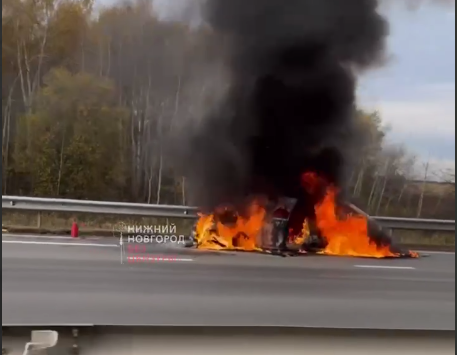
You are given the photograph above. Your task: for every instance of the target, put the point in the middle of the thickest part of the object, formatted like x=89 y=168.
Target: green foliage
x=75 y=148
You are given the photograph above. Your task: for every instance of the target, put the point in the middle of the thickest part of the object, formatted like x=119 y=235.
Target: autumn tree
x=73 y=144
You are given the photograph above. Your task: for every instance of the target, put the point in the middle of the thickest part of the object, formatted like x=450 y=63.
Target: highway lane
x=59 y=282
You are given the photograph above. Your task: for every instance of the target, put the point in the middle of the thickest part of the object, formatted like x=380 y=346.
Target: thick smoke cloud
x=291 y=103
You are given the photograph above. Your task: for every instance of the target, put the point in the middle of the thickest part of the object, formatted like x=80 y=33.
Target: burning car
x=273 y=236
x=286 y=226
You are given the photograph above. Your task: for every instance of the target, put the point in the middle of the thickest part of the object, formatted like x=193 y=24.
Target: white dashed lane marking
x=155 y=259
x=385 y=267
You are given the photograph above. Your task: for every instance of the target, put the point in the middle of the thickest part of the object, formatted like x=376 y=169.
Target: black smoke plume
x=291 y=103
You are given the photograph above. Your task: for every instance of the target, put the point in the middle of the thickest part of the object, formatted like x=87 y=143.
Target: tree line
x=89 y=95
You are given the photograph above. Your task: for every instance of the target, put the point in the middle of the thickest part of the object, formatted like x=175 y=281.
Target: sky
x=415 y=91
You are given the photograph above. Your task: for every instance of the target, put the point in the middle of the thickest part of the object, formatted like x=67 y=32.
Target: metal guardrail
x=134 y=209
x=100 y=207
x=416 y=224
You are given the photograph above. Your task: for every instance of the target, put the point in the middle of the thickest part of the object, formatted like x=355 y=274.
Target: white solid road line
x=158 y=258
x=12 y=236
x=60 y=243
x=385 y=267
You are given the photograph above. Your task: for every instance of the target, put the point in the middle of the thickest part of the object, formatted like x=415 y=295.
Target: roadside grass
x=88 y=223
x=425 y=239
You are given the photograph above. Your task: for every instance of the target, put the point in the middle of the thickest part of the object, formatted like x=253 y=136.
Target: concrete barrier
x=131 y=340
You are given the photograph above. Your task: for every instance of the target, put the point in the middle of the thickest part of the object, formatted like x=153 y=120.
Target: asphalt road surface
x=60 y=281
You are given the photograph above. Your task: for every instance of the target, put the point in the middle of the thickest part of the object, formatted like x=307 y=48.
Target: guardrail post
x=75 y=347
x=39 y=220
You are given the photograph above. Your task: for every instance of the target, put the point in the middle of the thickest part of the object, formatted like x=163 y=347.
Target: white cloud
x=422 y=119
x=438 y=170
x=179 y=10
x=425 y=111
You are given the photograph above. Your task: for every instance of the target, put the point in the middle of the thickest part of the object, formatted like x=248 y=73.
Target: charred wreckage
x=282 y=230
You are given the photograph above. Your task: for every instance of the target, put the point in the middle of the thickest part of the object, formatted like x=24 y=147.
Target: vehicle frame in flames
x=276 y=230
x=275 y=236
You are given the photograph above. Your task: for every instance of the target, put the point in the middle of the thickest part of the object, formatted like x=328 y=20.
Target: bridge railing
x=169 y=211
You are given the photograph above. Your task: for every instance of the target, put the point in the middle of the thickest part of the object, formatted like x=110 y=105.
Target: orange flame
x=298 y=240
x=347 y=236
x=240 y=235
x=344 y=236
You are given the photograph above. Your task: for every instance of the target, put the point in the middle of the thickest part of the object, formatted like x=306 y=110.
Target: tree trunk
x=424 y=184
x=159 y=182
